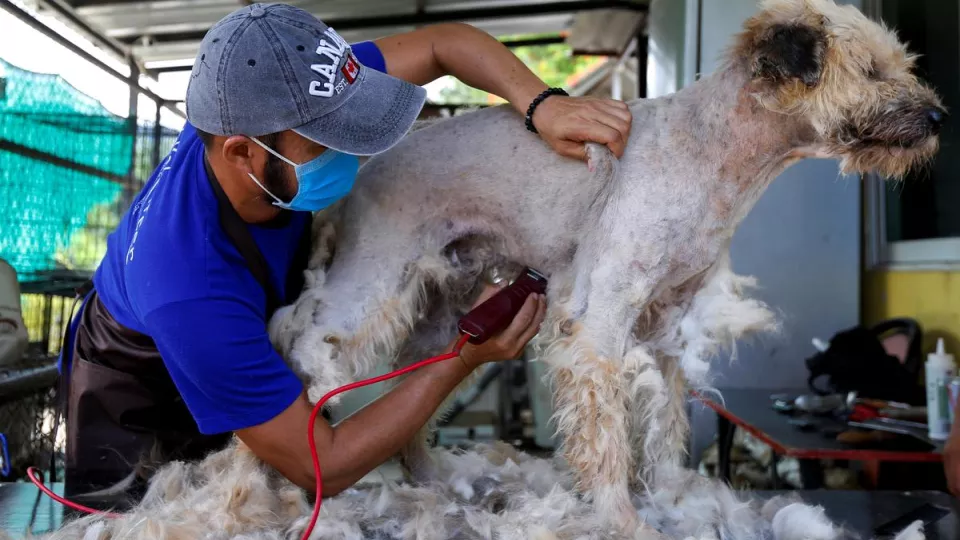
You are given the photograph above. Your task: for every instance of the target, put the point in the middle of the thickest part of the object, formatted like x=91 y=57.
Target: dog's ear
x=792 y=51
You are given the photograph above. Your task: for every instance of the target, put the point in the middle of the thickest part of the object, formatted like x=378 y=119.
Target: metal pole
x=157 y=133
x=616 y=82
x=643 y=51
x=46 y=157
x=12 y=8
x=129 y=189
x=616 y=73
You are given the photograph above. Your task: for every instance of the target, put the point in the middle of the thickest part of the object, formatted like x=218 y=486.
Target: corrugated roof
x=168 y=31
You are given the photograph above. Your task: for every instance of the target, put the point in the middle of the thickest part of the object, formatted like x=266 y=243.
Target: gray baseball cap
x=267 y=68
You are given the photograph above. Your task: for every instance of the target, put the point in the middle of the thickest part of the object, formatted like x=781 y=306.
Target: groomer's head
x=274 y=77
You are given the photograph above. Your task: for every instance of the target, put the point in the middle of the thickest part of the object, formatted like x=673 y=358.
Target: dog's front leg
x=591 y=393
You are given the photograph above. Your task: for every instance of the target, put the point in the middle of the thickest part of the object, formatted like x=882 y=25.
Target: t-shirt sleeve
x=369 y=55
x=220 y=357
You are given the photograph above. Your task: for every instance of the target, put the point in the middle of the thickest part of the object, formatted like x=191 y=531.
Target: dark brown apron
x=124 y=415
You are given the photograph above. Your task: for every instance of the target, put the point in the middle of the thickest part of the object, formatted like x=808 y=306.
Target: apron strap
x=301 y=259
x=237 y=230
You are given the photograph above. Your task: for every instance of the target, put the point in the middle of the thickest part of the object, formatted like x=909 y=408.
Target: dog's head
x=846 y=77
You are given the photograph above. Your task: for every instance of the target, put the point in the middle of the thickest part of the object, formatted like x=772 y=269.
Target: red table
x=752 y=410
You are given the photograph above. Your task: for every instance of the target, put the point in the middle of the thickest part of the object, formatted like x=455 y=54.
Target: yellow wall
x=932 y=298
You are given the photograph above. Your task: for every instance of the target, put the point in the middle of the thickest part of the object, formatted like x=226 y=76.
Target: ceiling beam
x=87 y=3
x=510 y=43
x=433 y=17
x=65 y=12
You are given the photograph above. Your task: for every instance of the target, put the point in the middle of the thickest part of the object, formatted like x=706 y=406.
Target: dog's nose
x=936 y=117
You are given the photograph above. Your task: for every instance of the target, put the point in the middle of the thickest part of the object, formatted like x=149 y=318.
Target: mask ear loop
x=272 y=151
x=254 y=178
x=275 y=198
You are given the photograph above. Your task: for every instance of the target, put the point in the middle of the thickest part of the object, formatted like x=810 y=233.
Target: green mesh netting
x=44 y=205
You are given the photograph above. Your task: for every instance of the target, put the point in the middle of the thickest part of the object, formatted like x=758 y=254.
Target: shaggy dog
x=641 y=292
x=641 y=295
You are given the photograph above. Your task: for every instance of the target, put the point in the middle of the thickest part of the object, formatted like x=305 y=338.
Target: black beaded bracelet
x=539 y=99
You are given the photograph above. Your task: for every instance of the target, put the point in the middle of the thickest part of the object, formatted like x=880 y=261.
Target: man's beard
x=276 y=181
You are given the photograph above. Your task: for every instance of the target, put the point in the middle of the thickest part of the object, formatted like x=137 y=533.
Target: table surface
x=753 y=411
x=859 y=511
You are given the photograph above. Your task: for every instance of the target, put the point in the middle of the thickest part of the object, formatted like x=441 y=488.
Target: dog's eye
x=874 y=73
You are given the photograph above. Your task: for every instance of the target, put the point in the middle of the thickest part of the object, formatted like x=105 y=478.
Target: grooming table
x=752 y=410
x=861 y=511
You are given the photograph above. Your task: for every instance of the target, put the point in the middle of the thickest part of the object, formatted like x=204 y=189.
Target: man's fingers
x=535 y=324
x=618 y=109
x=621 y=126
x=571 y=149
x=597 y=132
x=522 y=320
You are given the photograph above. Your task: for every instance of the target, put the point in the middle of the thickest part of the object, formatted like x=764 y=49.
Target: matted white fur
x=495 y=492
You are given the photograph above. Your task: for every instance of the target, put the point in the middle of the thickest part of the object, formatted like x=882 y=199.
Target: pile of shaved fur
x=490 y=491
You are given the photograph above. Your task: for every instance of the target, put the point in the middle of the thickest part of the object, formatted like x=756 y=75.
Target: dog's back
x=481 y=170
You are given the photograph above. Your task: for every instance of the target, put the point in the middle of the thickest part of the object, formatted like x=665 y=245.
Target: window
x=916 y=223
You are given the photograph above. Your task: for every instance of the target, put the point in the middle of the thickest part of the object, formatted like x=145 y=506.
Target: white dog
x=641 y=292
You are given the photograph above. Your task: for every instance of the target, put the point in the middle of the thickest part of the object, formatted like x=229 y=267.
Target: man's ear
x=242 y=153
x=785 y=52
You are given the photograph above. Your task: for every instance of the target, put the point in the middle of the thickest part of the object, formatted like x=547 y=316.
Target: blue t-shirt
x=172 y=273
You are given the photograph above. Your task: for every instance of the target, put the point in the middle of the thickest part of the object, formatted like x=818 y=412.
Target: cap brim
x=378 y=114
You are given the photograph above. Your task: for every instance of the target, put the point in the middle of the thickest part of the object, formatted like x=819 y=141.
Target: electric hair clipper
x=492 y=316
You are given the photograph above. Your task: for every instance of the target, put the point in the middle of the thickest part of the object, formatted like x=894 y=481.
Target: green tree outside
x=555 y=64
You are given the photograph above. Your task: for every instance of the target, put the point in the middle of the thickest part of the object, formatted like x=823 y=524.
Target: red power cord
x=316 y=409
x=31 y=473
x=310 y=440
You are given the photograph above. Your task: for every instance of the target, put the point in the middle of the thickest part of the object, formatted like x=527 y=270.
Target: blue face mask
x=321 y=181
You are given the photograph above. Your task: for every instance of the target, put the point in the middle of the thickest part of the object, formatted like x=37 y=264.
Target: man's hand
x=951 y=461
x=509 y=343
x=367 y=438
x=566 y=123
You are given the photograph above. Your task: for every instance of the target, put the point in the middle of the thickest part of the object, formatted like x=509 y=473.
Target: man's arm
x=479 y=60
x=951 y=455
x=365 y=440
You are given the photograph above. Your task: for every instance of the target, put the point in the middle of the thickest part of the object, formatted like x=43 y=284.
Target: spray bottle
x=940 y=369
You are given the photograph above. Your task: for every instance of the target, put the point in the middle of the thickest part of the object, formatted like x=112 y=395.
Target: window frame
x=907 y=255
x=881 y=253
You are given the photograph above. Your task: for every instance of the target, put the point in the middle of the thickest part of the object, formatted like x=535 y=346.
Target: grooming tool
x=865 y=437
x=910 y=413
x=824 y=404
x=783 y=406
x=492 y=316
x=940 y=370
x=908 y=430
x=882 y=403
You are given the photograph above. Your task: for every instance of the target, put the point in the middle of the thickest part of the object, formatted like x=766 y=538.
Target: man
x=171 y=350
x=951 y=455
